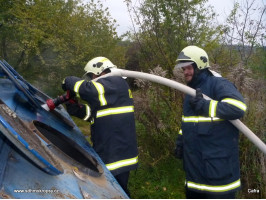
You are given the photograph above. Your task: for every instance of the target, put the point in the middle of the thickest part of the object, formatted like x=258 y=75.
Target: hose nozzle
x=53 y=103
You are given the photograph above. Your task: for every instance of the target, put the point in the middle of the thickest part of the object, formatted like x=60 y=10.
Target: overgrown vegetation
x=165 y=180
x=47 y=40
x=236 y=50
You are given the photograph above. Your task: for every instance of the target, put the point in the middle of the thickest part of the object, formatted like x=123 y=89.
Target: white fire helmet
x=97 y=66
x=193 y=54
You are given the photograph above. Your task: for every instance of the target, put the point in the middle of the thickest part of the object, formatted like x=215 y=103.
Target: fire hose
x=189 y=91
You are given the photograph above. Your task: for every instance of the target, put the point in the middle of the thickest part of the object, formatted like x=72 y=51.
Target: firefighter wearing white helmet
x=207 y=141
x=110 y=111
x=198 y=59
x=193 y=54
x=97 y=66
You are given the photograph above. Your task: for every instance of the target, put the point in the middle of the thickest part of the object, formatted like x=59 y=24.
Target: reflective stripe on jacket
x=113 y=131
x=210 y=141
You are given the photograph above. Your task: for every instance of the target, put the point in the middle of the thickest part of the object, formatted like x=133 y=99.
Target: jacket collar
x=198 y=79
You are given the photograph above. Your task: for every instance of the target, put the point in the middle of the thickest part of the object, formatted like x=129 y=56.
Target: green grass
x=165 y=180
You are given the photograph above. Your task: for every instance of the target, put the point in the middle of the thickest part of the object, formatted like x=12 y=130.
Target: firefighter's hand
x=75 y=109
x=197 y=102
x=70 y=95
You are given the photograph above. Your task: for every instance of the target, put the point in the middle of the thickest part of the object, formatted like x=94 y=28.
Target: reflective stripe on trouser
x=212 y=188
x=122 y=163
x=114 y=111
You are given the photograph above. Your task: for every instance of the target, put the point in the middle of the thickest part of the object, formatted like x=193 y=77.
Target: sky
x=118 y=11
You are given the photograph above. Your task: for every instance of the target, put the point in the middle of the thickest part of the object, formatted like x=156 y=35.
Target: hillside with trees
x=47 y=40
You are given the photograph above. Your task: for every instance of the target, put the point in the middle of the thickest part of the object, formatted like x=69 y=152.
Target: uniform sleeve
x=227 y=102
x=90 y=91
x=81 y=111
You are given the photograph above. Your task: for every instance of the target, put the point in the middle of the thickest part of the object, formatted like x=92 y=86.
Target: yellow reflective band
x=130 y=93
x=197 y=119
x=102 y=60
x=88 y=113
x=212 y=108
x=114 y=111
x=77 y=86
x=210 y=188
x=180 y=132
x=122 y=163
x=92 y=121
x=101 y=92
x=236 y=103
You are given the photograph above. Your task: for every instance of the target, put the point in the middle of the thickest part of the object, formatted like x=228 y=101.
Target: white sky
x=118 y=11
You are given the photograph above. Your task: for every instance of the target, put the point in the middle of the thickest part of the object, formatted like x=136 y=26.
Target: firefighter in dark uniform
x=110 y=111
x=207 y=141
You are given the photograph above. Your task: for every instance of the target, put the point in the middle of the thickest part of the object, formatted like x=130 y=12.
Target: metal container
x=44 y=154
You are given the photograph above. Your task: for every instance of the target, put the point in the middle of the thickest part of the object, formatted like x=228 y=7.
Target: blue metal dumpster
x=44 y=154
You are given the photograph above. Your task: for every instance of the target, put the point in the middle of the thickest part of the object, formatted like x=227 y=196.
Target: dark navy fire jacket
x=209 y=140
x=111 y=113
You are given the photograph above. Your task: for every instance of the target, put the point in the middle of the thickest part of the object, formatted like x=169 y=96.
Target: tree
x=46 y=40
x=161 y=30
x=245 y=30
x=166 y=27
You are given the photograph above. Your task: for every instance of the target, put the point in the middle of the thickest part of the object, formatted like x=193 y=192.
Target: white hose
x=187 y=90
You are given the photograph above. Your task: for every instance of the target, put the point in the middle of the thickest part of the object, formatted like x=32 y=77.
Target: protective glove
x=75 y=109
x=197 y=102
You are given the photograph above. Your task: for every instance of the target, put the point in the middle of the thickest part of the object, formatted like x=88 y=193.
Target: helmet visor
x=183 y=64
